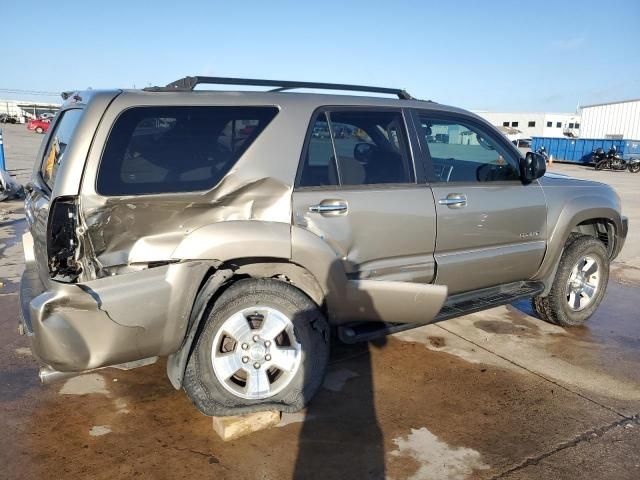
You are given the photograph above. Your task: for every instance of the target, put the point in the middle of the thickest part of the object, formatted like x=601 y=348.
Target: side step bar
x=456 y=306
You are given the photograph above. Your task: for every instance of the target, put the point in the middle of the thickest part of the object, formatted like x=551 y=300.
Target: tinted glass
x=549 y=124
x=58 y=142
x=371 y=148
x=462 y=153
x=177 y=149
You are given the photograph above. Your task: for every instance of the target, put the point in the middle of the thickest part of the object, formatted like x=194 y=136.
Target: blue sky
x=490 y=55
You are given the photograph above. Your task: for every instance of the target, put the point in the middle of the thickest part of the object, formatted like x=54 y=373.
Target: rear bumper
x=108 y=321
x=68 y=331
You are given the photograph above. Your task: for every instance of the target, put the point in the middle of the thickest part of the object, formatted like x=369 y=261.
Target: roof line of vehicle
x=188 y=84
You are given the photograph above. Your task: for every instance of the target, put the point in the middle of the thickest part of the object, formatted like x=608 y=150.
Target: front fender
x=563 y=217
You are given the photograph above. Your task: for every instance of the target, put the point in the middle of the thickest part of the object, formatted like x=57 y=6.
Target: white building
x=531 y=124
x=25 y=110
x=616 y=120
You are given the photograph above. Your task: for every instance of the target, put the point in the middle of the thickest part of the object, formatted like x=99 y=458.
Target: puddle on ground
x=616 y=322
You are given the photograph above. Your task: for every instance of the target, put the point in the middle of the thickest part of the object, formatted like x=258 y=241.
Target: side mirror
x=532 y=167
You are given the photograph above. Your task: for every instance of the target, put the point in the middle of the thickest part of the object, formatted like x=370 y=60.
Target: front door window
x=462 y=153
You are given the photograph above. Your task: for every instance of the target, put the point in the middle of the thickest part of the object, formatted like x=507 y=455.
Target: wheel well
x=601 y=228
x=276 y=268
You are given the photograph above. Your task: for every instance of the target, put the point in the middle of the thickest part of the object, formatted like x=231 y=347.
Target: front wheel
x=264 y=346
x=602 y=164
x=39 y=130
x=579 y=285
x=634 y=167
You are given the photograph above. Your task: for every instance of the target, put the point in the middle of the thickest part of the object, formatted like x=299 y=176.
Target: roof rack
x=187 y=84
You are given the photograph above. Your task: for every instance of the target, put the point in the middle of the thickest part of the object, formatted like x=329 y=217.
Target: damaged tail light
x=62 y=242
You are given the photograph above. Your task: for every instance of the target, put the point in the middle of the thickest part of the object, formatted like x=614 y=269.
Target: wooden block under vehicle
x=230 y=428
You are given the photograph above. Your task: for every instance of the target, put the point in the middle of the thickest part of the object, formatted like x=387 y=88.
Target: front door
x=357 y=191
x=491 y=228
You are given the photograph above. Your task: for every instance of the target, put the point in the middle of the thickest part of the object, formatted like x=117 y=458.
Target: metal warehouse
x=614 y=121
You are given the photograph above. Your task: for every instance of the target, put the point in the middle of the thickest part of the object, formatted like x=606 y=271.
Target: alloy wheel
x=255 y=353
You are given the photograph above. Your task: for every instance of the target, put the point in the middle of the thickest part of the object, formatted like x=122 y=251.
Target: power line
x=29 y=92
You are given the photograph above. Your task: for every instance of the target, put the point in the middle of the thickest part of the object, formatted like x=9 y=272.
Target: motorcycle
x=614 y=161
x=543 y=151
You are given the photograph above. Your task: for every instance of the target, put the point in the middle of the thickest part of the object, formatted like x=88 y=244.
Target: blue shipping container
x=578 y=150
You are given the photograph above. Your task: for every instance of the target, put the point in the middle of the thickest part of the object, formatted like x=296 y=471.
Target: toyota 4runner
x=233 y=231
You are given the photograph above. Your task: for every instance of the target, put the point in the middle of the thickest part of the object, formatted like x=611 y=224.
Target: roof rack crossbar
x=187 y=84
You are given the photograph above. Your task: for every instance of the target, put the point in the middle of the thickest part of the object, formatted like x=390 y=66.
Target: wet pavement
x=496 y=394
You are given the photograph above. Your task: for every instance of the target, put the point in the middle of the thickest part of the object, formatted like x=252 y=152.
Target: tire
x=555 y=307
x=267 y=301
x=634 y=167
x=39 y=130
x=602 y=164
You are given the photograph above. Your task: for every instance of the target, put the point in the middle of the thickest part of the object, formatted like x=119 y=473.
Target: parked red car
x=40 y=126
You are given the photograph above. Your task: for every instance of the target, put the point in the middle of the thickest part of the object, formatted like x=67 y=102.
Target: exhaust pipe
x=48 y=375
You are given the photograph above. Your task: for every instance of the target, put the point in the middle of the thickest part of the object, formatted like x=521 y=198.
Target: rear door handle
x=454 y=200
x=329 y=207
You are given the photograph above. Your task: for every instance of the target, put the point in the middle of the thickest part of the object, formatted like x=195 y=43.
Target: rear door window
x=359 y=147
x=177 y=149
x=58 y=142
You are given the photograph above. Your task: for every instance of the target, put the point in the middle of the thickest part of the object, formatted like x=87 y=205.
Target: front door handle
x=329 y=207
x=454 y=200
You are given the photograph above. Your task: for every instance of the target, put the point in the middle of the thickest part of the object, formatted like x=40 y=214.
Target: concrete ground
x=497 y=394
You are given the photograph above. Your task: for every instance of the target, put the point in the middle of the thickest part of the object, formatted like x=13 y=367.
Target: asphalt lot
x=497 y=394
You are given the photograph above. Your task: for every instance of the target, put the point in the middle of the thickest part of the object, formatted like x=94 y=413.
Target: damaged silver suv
x=234 y=232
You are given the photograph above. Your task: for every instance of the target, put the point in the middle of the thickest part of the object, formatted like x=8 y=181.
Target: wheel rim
x=255 y=353
x=583 y=283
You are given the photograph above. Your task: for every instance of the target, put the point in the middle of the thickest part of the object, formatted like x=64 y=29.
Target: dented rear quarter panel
x=143 y=228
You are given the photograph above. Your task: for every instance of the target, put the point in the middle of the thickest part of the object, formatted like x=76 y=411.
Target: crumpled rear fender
x=236 y=239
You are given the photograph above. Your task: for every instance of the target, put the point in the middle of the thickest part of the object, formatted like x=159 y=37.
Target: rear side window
x=177 y=149
x=58 y=142
x=351 y=148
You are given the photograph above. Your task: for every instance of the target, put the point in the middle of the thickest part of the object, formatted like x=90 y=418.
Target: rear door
x=357 y=190
x=491 y=227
